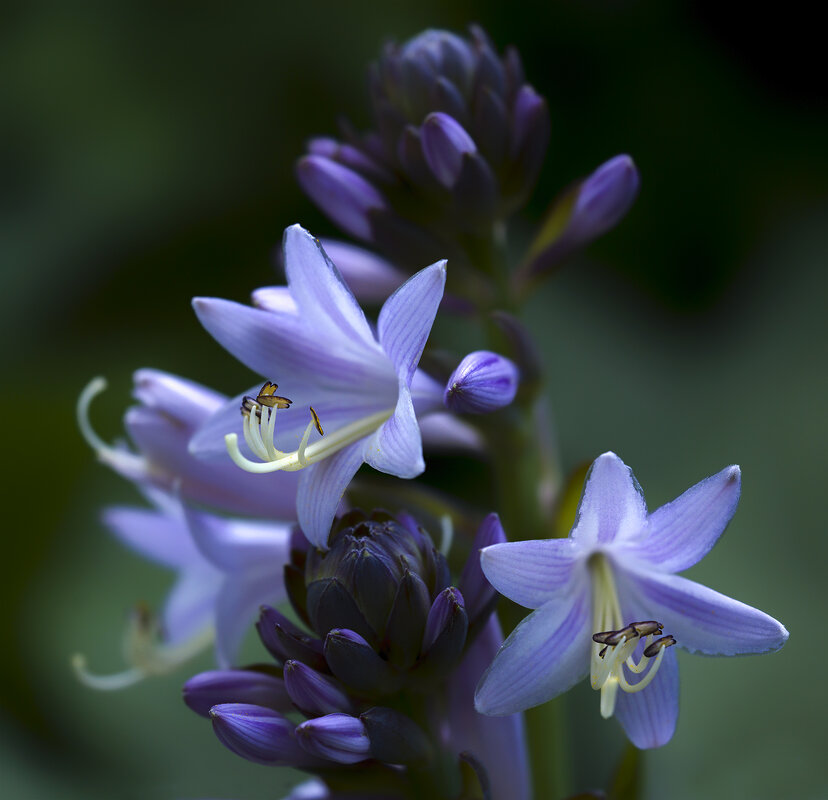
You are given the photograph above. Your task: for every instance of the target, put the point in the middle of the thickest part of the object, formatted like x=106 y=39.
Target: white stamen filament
x=259 y=428
x=607 y=673
x=146 y=656
x=119 y=459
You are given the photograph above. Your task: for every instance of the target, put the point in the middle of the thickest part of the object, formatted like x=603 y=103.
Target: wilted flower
x=604 y=594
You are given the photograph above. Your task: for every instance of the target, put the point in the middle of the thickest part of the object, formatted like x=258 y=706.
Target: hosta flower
x=169 y=411
x=362 y=389
x=226 y=568
x=608 y=602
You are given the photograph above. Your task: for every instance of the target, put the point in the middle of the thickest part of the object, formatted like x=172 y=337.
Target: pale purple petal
x=534 y=572
x=701 y=619
x=284 y=348
x=444 y=432
x=275 y=298
x=179 y=398
x=396 y=448
x=544 y=656
x=498 y=742
x=370 y=277
x=426 y=394
x=239 y=544
x=407 y=316
x=683 y=532
x=612 y=507
x=649 y=716
x=237 y=607
x=321 y=487
x=190 y=605
x=159 y=537
x=326 y=304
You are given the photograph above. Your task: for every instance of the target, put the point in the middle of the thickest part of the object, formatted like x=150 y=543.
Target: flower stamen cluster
x=613 y=649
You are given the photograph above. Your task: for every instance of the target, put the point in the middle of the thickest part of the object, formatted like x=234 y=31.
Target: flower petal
x=282 y=346
x=612 y=507
x=530 y=573
x=443 y=432
x=406 y=318
x=237 y=607
x=325 y=302
x=682 y=532
x=238 y=544
x=179 y=398
x=544 y=656
x=275 y=298
x=498 y=742
x=321 y=487
x=190 y=606
x=649 y=716
x=159 y=537
x=371 y=278
x=702 y=620
x=397 y=448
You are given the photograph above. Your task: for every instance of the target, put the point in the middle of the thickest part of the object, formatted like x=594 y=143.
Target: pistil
x=614 y=643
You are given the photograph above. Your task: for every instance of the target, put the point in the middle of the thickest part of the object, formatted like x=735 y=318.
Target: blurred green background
x=147 y=157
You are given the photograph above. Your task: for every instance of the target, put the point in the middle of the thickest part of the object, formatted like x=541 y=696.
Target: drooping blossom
x=608 y=602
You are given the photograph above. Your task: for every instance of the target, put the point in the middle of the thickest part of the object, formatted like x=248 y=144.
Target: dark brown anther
x=665 y=641
x=648 y=627
x=316 y=421
x=250 y=406
x=268 y=397
x=627 y=633
x=603 y=651
x=603 y=638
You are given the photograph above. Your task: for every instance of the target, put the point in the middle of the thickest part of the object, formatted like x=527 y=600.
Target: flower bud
x=446 y=628
x=209 y=689
x=478 y=593
x=482 y=382
x=336 y=737
x=395 y=738
x=312 y=693
x=357 y=664
x=258 y=734
x=285 y=641
x=445 y=142
x=344 y=195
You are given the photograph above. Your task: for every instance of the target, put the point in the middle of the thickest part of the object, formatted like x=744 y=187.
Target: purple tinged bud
x=344 y=195
x=483 y=382
x=528 y=107
x=336 y=737
x=209 y=689
x=312 y=693
x=478 y=593
x=445 y=142
x=441 y=614
x=258 y=734
x=604 y=197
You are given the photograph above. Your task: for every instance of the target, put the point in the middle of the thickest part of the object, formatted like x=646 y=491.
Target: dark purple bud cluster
x=457 y=143
x=381 y=618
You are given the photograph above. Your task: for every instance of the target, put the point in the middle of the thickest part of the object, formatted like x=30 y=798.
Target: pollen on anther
x=316 y=421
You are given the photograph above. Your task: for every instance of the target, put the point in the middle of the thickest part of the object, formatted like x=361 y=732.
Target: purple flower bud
x=285 y=640
x=314 y=694
x=445 y=632
x=342 y=194
x=357 y=664
x=336 y=737
x=371 y=278
x=441 y=614
x=604 y=197
x=482 y=382
x=445 y=142
x=258 y=734
x=477 y=591
x=209 y=689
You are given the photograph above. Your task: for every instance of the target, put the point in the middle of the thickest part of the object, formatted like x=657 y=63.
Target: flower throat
x=615 y=642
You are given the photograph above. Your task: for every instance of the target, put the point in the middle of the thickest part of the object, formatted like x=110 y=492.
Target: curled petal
x=397 y=448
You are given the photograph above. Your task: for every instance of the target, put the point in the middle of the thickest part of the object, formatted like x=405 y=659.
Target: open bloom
x=364 y=390
x=605 y=595
x=226 y=568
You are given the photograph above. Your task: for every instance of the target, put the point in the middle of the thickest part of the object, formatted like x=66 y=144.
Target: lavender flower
x=604 y=594
x=364 y=389
x=170 y=411
x=482 y=382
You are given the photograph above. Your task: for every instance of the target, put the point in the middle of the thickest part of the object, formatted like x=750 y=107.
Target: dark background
x=147 y=157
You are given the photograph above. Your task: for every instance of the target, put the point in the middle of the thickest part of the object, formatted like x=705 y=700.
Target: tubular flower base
x=604 y=596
